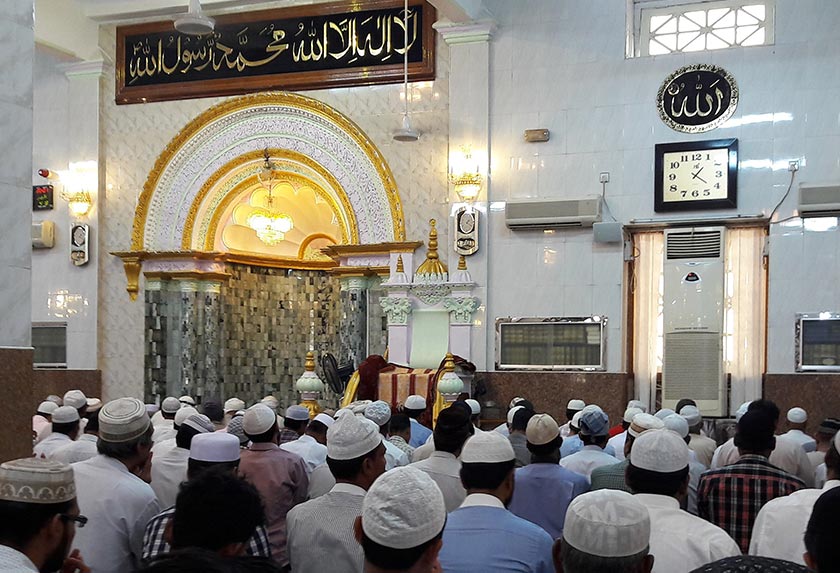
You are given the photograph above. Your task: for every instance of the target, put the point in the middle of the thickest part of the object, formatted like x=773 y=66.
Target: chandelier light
x=270 y=224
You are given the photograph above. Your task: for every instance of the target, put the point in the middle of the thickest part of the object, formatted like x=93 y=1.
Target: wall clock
x=696 y=175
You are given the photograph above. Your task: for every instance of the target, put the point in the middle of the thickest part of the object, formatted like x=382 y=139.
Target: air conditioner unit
x=819 y=200
x=43 y=235
x=693 y=296
x=552 y=214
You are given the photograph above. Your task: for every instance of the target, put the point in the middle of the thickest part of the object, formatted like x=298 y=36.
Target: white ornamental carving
x=461 y=308
x=397 y=309
x=431 y=293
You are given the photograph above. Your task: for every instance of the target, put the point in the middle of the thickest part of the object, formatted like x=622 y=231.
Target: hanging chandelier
x=270 y=224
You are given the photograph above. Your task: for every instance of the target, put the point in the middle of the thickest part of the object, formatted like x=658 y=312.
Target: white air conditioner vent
x=694 y=244
x=552 y=214
x=819 y=200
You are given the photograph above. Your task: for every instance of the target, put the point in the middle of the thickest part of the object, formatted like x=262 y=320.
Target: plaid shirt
x=154 y=544
x=287 y=435
x=731 y=497
x=610 y=477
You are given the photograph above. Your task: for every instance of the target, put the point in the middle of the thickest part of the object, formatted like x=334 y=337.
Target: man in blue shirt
x=544 y=490
x=482 y=535
x=415 y=408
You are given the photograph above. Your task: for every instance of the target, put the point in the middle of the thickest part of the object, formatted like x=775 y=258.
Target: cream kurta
x=46 y=447
x=445 y=469
x=704 y=448
x=82 y=449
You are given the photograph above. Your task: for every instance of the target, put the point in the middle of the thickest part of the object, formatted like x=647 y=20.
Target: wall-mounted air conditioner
x=693 y=296
x=819 y=200
x=552 y=214
x=43 y=235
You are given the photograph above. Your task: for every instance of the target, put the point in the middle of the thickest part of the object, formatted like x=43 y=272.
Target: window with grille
x=49 y=341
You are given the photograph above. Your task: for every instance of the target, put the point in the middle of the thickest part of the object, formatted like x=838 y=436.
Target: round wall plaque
x=697 y=98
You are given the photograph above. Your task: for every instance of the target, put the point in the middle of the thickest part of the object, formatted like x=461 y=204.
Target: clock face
x=696 y=175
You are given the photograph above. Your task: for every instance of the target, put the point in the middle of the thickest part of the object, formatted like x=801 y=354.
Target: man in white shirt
x=41 y=421
x=702 y=446
x=116 y=501
x=311 y=446
x=617 y=441
x=84 y=447
x=159 y=448
x=379 y=412
x=166 y=429
x=797 y=419
x=65 y=429
x=169 y=470
x=573 y=407
x=658 y=475
x=824 y=436
x=678 y=424
x=594 y=430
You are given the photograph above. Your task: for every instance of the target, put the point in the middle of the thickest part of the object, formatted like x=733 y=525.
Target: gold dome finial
x=310 y=362
x=432 y=264
x=400 y=267
x=449 y=363
x=462 y=263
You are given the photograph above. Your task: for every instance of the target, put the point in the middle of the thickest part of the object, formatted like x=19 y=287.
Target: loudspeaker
x=608 y=232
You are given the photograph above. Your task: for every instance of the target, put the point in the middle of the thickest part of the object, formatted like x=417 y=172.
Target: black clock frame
x=731 y=201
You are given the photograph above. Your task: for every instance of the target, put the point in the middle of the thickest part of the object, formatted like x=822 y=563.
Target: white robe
x=82 y=449
x=313 y=453
x=587 y=459
x=169 y=470
x=46 y=447
x=788 y=455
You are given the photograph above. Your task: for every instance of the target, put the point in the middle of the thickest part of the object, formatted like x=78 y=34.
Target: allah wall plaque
x=697 y=98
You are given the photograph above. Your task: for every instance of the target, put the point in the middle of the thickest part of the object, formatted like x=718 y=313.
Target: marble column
x=190 y=317
x=353 y=325
x=212 y=304
x=156 y=334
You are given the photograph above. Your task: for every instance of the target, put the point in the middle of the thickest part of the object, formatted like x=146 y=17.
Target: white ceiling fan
x=195 y=22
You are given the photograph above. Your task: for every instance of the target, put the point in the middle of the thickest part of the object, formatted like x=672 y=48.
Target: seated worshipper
x=42 y=419
x=65 y=429
x=320 y=531
x=658 y=475
x=379 y=413
x=84 y=447
x=703 y=447
x=605 y=531
x=544 y=489
x=214 y=411
x=38 y=517
x=208 y=451
x=169 y=469
x=504 y=429
x=822 y=532
x=482 y=535
x=617 y=441
x=76 y=399
x=751 y=564
x=165 y=429
x=518 y=438
x=773 y=532
x=278 y=475
x=614 y=476
x=231 y=407
x=678 y=424
x=731 y=497
x=415 y=409
x=400 y=433
x=824 y=436
x=797 y=419
x=116 y=501
x=594 y=427
x=294 y=424
x=475 y=408
x=310 y=446
x=401 y=525
x=572 y=408
x=443 y=466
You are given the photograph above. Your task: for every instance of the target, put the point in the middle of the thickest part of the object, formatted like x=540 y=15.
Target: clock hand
x=697 y=175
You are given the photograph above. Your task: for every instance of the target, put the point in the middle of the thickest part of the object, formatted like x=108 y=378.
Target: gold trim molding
x=338 y=251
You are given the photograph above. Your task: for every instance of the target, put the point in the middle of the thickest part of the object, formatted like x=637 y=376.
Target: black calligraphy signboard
x=42 y=197
x=697 y=98
x=309 y=47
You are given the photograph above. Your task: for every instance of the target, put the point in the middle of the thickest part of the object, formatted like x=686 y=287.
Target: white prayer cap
x=189 y=400
x=342 y=411
x=415 y=402
x=65 y=415
x=214 y=447
x=576 y=405
x=56 y=399
x=516 y=400
x=576 y=419
x=678 y=424
x=660 y=451
x=486 y=448
x=512 y=412
x=475 y=407
x=170 y=405
x=378 y=412
x=691 y=414
x=183 y=413
x=404 y=508
x=664 y=413
x=594 y=423
x=325 y=419
x=200 y=423
x=643 y=422
x=123 y=420
x=299 y=413
x=234 y=404
x=75 y=398
x=541 y=429
x=742 y=409
x=258 y=419
x=629 y=413
x=47 y=407
x=93 y=405
x=592 y=408
x=607 y=523
x=351 y=437
x=637 y=404
x=271 y=402
x=36 y=480
x=797 y=415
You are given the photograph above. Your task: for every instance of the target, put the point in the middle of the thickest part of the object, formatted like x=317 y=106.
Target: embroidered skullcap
x=475 y=407
x=325 y=419
x=235 y=428
x=351 y=437
x=661 y=451
x=47 y=407
x=234 y=404
x=541 y=429
x=637 y=404
x=607 y=523
x=678 y=424
x=298 y=413
x=486 y=448
x=797 y=415
x=271 y=402
x=751 y=564
x=75 y=398
x=93 y=404
x=742 y=409
x=576 y=419
x=512 y=412
x=594 y=423
x=576 y=405
x=188 y=400
x=829 y=426
x=415 y=402
x=199 y=423
x=404 y=508
x=36 y=480
x=56 y=399
x=170 y=405
x=258 y=419
x=216 y=447
x=629 y=413
x=691 y=414
x=65 y=415
x=664 y=413
x=123 y=420
x=378 y=412
x=643 y=422
x=183 y=413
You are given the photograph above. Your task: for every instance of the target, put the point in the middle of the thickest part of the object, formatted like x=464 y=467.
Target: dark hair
x=349 y=469
x=400 y=423
x=594 y=440
x=571 y=414
x=266 y=436
x=203 y=561
x=521 y=418
x=93 y=422
x=392 y=559
x=412 y=413
x=660 y=483
x=767 y=406
x=452 y=430
x=832 y=459
x=544 y=450
x=683 y=403
x=295 y=425
x=487 y=476
x=184 y=436
x=316 y=427
x=20 y=522
x=823 y=530
x=755 y=431
x=525 y=404
x=576 y=561
x=124 y=450
x=214 y=411
x=214 y=497
x=195 y=467
x=463 y=406
x=66 y=428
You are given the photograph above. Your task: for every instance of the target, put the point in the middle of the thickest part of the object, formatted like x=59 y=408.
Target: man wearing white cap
x=605 y=530
x=515 y=405
x=84 y=447
x=415 y=409
x=117 y=502
x=208 y=450
x=65 y=429
x=399 y=433
x=701 y=445
x=518 y=438
x=42 y=419
x=594 y=429
x=613 y=476
x=573 y=407
x=679 y=425
x=181 y=416
x=658 y=475
x=797 y=419
x=278 y=475
x=166 y=430
x=379 y=413
x=294 y=424
x=169 y=469
x=231 y=407
x=313 y=452
x=475 y=408
x=271 y=402
x=320 y=531
x=76 y=399
x=38 y=517
x=482 y=535
x=544 y=489
x=617 y=441
x=401 y=524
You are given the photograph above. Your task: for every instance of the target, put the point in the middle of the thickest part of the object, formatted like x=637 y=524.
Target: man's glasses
x=79 y=520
